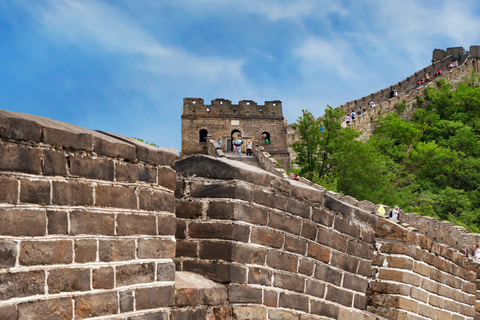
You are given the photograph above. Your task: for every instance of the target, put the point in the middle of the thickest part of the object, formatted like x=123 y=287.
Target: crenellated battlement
x=224 y=108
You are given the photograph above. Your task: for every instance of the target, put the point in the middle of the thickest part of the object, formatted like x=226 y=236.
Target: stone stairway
x=252 y=161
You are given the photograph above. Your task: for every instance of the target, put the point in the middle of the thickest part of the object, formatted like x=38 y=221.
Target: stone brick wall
x=87 y=222
x=277 y=244
x=416 y=278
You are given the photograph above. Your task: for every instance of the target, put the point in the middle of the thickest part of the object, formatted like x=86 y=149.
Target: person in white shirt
x=372 y=104
x=394 y=214
x=476 y=252
x=249 y=148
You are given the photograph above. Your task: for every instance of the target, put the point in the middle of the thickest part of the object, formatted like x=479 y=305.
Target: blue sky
x=125 y=66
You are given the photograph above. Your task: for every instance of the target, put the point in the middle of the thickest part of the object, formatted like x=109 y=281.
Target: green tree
x=306 y=147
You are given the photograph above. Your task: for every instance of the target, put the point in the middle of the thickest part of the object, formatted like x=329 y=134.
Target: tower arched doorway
x=235 y=134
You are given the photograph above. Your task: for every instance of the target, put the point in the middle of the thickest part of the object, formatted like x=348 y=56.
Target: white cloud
x=93 y=25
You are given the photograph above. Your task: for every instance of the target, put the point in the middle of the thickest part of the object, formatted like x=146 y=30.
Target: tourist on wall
x=348 y=119
x=476 y=254
x=249 y=148
x=220 y=143
x=394 y=213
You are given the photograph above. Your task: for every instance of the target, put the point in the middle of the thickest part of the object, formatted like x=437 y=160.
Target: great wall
x=94 y=225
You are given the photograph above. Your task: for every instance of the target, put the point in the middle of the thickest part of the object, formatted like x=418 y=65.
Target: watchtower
x=264 y=124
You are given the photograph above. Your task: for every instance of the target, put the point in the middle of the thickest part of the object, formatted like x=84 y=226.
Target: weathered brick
x=378 y=259
x=360 y=249
x=294 y=244
x=469 y=287
x=347 y=227
x=332 y=239
x=221 y=190
x=221 y=313
x=269 y=198
x=22 y=222
x=9 y=312
x=298 y=208
x=186 y=249
x=166 y=177
x=340 y=296
x=156 y=297
x=90 y=222
x=390 y=288
x=359 y=302
x=105 y=144
x=244 y=294
x=419 y=294
x=293 y=282
x=193 y=209
x=366 y=216
x=443 y=315
x=238 y=211
x=9 y=187
x=285 y=223
x=8 y=253
x=324 y=309
x=46 y=252
x=126 y=301
x=388 y=229
x=435 y=301
x=460 y=296
x=167 y=225
x=325 y=273
x=467 y=310
x=315 y=288
x=260 y=276
x=216 y=250
x=219 y=231
x=293 y=301
x=249 y=254
x=309 y=230
x=306 y=267
x=92 y=168
x=282 y=261
x=249 y=312
x=364 y=268
x=344 y=262
x=85 y=250
x=135 y=224
x=445 y=291
x=216 y=271
x=400 y=262
x=436 y=275
x=57 y=222
x=429 y=285
x=424 y=242
x=421 y=268
x=21 y=284
x=19 y=127
x=54 y=163
x=115 y=197
x=20 y=158
x=427 y=311
x=103 y=278
x=135 y=273
x=61 y=308
x=66 y=136
x=180 y=314
x=267 y=237
x=322 y=217
x=68 y=280
x=36 y=191
x=318 y=252
x=451 y=305
x=72 y=193
x=133 y=172
x=165 y=271
x=355 y=283
x=368 y=236
x=117 y=250
x=156 y=200
x=270 y=298
x=95 y=305
x=180 y=229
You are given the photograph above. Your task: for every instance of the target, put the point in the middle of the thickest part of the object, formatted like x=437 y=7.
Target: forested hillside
x=429 y=165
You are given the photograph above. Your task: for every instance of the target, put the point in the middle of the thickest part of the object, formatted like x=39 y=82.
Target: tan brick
x=469 y=287
x=400 y=262
x=9 y=187
x=435 y=301
x=427 y=311
x=22 y=222
x=61 y=308
x=116 y=197
x=46 y=252
x=451 y=306
x=421 y=268
x=419 y=294
x=430 y=285
x=319 y=253
x=94 y=305
x=443 y=315
x=467 y=310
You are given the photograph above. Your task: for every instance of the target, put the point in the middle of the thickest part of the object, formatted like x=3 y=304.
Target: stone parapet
x=87 y=222
x=280 y=247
